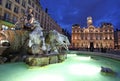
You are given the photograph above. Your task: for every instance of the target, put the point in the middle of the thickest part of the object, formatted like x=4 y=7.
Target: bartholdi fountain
x=28 y=42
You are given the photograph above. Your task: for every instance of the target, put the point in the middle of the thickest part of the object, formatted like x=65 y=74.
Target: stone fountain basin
x=42 y=60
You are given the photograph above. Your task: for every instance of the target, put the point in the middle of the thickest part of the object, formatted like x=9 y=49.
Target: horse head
x=55 y=41
x=63 y=41
x=3 y=40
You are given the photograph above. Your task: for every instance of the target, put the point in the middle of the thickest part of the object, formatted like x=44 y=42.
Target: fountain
x=45 y=48
x=33 y=46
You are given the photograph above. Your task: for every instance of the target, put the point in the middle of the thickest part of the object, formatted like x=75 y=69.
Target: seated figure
x=29 y=18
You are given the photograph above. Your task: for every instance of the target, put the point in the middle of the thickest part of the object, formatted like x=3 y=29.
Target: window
x=36 y=8
x=14 y=19
x=8 y=4
x=0 y=2
x=76 y=31
x=110 y=30
x=100 y=37
x=39 y=10
x=16 y=9
x=91 y=38
x=23 y=3
x=81 y=30
x=96 y=45
x=22 y=11
x=18 y=1
x=38 y=16
x=75 y=37
x=106 y=38
x=105 y=30
x=81 y=37
x=110 y=38
x=85 y=38
x=91 y=30
x=7 y=16
x=29 y=2
x=35 y=15
x=97 y=38
x=33 y=5
x=101 y=31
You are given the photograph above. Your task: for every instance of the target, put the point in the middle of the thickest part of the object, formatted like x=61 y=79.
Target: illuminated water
x=75 y=68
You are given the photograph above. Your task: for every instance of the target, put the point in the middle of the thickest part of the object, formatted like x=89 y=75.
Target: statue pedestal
x=45 y=59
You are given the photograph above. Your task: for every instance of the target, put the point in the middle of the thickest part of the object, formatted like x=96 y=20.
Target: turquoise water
x=74 y=68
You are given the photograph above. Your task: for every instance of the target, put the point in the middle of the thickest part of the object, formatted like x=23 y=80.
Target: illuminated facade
x=91 y=36
x=12 y=10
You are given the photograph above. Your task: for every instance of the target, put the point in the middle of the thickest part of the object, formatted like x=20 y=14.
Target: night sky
x=69 y=12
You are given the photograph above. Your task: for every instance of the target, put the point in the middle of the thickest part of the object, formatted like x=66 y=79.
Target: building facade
x=12 y=10
x=93 y=37
x=117 y=39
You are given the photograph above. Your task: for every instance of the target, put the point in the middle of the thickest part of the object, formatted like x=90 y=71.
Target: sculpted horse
x=55 y=41
x=13 y=45
x=36 y=39
x=16 y=39
x=13 y=42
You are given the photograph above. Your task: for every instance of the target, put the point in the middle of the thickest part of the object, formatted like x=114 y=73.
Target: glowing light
x=71 y=55
x=82 y=58
x=83 y=69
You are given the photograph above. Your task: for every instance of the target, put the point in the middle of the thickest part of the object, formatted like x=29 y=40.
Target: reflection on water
x=75 y=68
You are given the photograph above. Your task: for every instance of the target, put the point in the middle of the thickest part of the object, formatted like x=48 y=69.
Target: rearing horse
x=36 y=39
x=56 y=41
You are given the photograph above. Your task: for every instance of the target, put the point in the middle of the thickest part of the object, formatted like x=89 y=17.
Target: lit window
x=75 y=37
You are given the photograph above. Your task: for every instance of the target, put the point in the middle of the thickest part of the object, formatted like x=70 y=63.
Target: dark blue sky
x=68 y=12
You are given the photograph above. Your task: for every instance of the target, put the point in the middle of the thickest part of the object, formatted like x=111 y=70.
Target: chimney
x=46 y=10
